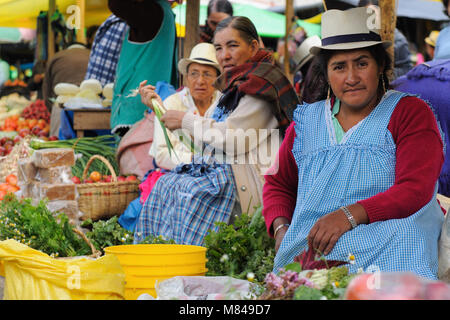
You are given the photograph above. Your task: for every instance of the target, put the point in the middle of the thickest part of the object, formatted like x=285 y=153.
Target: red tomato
x=131 y=178
x=76 y=180
x=11 y=179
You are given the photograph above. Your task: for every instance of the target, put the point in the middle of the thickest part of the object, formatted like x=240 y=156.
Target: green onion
x=159 y=111
x=87 y=146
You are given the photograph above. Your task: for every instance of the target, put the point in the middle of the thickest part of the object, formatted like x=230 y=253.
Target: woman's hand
x=173 y=119
x=148 y=93
x=329 y=228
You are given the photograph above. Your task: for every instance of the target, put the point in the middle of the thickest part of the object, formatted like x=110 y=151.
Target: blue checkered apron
x=185 y=204
x=332 y=175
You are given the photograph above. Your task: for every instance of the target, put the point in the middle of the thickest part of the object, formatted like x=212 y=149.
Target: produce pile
x=242 y=250
x=89 y=93
x=39 y=228
x=51 y=233
x=12 y=105
x=36 y=110
x=87 y=147
x=293 y=283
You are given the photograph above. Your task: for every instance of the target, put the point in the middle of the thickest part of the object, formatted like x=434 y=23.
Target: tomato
x=76 y=180
x=95 y=176
x=32 y=123
x=3 y=186
x=41 y=123
x=12 y=189
x=11 y=179
x=131 y=178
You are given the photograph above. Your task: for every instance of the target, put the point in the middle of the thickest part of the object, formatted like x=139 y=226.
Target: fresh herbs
x=106 y=233
x=242 y=250
x=38 y=228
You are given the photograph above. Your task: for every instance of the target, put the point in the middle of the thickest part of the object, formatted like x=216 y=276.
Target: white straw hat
x=202 y=53
x=350 y=29
x=302 y=54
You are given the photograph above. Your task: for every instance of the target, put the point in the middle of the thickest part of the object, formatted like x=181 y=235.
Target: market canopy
x=23 y=13
x=268 y=23
x=416 y=9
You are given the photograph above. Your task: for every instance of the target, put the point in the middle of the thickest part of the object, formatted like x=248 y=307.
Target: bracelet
x=350 y=217
x=279 y=228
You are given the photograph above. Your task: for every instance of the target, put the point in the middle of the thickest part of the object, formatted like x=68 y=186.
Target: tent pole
x=388 y=24
x=289 y=14
x=191 y=34
x=50 y=36
x=81 y=36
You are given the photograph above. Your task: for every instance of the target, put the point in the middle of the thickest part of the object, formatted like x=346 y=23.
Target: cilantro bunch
x=242 y=250
x=39 y=228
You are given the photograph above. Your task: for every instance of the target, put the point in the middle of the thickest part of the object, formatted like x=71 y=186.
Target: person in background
x=223 y=180
x=402 y=55
x=106 y=50
x=69 y=66
x=430 y=44
x=442 y=50
x=358 y=172
x=217 y=10
x=303 y=72
x=199 y=96
x=90 y=35
x=37 y=78
x=430 y=81
x=148 y=52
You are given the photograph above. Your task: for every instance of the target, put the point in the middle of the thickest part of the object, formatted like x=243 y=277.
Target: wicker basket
x=105 y=199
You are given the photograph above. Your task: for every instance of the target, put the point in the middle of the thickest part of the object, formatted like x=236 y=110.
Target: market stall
x=59 y=206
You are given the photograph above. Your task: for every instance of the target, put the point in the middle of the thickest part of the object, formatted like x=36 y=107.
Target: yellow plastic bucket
x=145 y=264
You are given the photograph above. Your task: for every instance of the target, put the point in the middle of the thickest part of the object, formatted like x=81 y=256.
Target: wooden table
x=90 y=119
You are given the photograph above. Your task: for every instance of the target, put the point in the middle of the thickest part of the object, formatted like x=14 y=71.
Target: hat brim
x=315 y=50
x=303 y=62
x=185 y=62
x=430 y=42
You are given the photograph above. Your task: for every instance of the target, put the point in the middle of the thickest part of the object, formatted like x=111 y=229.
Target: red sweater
x=419 y=161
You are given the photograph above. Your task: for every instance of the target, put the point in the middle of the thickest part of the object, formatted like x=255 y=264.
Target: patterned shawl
x=261 y=78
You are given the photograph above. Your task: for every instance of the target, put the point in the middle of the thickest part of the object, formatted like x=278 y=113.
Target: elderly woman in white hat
x=358 y=170
x=199 y=96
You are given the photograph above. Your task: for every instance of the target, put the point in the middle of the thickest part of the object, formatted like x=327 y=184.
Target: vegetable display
x=106 y=233
x=242 y=250
x=292 y=283
x=88 y=146
x=38 y=228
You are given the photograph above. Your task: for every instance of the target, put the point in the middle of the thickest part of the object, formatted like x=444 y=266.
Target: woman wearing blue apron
x=366 y=163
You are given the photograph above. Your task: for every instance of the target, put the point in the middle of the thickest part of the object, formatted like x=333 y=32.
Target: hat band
x=203 y=59
x=356 y=37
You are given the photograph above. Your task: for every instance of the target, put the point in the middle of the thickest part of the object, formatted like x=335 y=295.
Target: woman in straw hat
x=199 y=96
x=357 y=171
x=240 y=141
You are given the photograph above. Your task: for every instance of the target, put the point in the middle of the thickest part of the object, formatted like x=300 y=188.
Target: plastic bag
x=33 y=275
x=204 y=288
x=396 y=286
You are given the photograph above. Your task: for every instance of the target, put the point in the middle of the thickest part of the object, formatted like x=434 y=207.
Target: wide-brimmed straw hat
x=431 y=39
x=349 y=29
x=202 y=53
x=302 y=54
